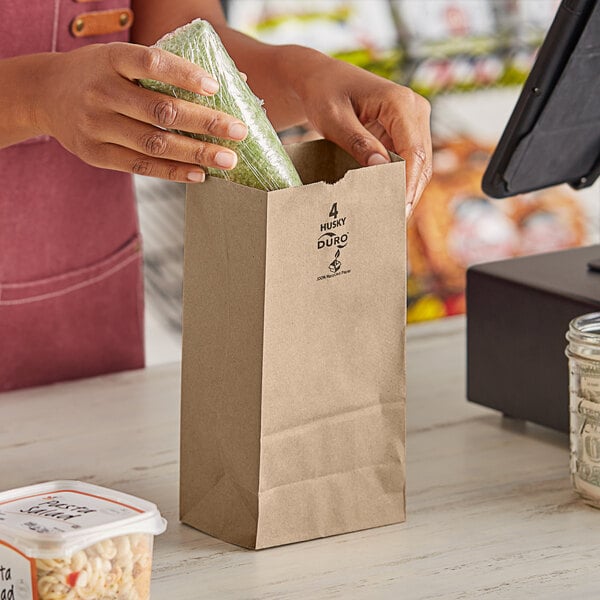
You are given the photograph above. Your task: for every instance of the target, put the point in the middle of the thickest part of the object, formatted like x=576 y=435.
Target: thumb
x=349 y=133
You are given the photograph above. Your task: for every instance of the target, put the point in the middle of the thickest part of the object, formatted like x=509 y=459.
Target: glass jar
x=584 y=405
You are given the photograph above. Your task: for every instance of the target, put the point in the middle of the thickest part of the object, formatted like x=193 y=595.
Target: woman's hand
x=368 y=115
x=93 y=106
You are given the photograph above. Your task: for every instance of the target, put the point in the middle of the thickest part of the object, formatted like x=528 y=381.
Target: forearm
x=277 y=74
x=21 y=79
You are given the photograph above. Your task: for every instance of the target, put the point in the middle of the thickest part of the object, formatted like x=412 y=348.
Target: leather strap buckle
x=101 y=22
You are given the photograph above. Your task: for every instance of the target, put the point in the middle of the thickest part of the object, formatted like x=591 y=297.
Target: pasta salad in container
x=67 y=540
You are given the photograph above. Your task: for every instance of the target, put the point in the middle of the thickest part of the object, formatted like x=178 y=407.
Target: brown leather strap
x=101 y=22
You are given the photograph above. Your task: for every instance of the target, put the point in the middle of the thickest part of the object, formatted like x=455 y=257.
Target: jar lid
x=587 y=325
x=584 y=336
x=58 y=518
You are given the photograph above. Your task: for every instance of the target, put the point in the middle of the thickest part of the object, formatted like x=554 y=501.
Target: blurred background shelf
x=470 y=59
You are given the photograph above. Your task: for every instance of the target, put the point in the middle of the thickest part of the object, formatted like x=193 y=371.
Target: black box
x=518 y=313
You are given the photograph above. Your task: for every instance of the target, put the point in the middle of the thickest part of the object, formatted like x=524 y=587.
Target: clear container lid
x=58 y=518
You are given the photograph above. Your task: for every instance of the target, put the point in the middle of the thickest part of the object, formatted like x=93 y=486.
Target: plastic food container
x=75 y=541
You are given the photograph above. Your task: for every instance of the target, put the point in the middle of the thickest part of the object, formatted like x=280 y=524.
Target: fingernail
x=377 y=159
x=209 y=85
x=196 y=176
x=226 y=160
x=409 y=208
x=237 y=131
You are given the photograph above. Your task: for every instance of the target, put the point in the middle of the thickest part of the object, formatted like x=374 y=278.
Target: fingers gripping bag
x=68 y=540
x=262 y=161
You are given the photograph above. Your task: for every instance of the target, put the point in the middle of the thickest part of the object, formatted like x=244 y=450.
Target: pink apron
x=71 y=288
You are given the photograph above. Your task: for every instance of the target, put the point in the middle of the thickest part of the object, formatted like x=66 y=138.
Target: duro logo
x=330 y=240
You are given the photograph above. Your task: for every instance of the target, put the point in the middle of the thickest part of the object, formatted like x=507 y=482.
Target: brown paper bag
x=293 y=385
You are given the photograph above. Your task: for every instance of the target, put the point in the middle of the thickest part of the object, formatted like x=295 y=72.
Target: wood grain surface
x=491 y=511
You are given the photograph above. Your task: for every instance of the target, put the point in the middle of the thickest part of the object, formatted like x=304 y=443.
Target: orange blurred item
x=456 y=225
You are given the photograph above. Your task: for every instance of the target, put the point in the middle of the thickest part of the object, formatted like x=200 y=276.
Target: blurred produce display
x=449 y=45
x=361 y=32
x=441 y=49
x=432 y=45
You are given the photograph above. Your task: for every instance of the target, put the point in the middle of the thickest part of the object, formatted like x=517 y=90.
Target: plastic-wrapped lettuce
x=262 y=161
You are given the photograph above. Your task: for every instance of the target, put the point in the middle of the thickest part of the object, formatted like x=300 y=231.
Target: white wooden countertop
x=491 y=513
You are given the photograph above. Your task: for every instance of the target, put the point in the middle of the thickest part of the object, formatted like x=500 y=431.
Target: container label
x=62 y=511
x=590 y=383
x=17 y=575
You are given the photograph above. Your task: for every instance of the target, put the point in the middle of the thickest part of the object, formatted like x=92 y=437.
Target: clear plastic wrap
x=262 y=161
